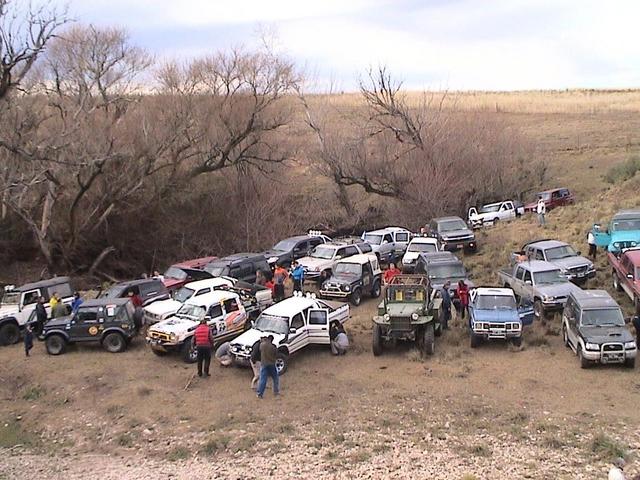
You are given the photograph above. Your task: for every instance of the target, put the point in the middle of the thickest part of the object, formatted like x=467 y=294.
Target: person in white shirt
x=158 y=276
x=593 y=249
x=541 y=210
x=617 y=471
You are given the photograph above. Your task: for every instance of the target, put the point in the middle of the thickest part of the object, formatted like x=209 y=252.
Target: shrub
x=607 y=448
x=624 y=171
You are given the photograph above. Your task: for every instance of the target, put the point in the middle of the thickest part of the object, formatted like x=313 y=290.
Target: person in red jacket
x=462 y=292
x=203 y=340
x=391 y=272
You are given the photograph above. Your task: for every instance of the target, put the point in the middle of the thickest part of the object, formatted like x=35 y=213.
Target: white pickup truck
x=492 y=213
x=389 y=243
x=295 y=323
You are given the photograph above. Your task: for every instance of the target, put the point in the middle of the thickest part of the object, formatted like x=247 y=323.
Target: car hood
x=175 y=325
x=410 y=257
x=163 y=306
x=8 y=310
x=571 y=262
x=496 y=315
x=251 y=336
x=558 y=289
x=314 y=263
x=343 y=279
x=457 y=233
x=274 y=254
x=606 y=334
x=57 y=322
x=404 y=309
x=484 y=216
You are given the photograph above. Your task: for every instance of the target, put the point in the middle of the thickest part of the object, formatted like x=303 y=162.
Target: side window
x=297 y=321
x=64 y=290
x=215 y=311
x=433 y=227
x=527 y=276
x=30 y=297
x=231 y=305
x=202 y=292
x=366 y=269
x=348 y=251
x=318 y=317
x=87 y=315
x=520 y=273
x=341 y=252
x=314 y=242
x=387 y=238
x=402 y=237
x=301 y=247
x=538 y=254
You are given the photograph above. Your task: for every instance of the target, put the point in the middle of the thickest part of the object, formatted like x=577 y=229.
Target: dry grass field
x=488 y=413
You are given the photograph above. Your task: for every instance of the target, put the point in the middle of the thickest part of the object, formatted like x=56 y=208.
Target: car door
x=215 y=319
x=234 y=315
x=527 y=284
x=367 y=276
x=473 y=212
x=298 y=336
x=507 y=210
x=525 y=311
x=28 y=302
x=86 y=325
x=572 y=323
x=300 y=250
x=318 y=326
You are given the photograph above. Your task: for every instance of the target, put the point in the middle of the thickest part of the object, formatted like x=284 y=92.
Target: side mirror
x=292 y=331
x=630 y=276
x=527 y=282
x=579 y=252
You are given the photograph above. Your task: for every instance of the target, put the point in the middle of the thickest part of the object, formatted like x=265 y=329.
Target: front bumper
x=491 y=331
x=453 y=245
x=554 y=305
x=241 y=359
x=609 y=357
x=163 y=345
x=334 y=293
x=581 y=277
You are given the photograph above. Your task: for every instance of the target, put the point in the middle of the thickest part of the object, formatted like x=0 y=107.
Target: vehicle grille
x=401 y=324
x=612 y=347
x=332 y=287
x=458 y=238
x=159 y=336
x=579 y=270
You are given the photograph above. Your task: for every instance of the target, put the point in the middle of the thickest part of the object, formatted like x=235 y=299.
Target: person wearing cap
x=203 y=340
x=617 y=471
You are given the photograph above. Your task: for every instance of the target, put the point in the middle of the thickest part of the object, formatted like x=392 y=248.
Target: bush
x=624 y=171
x=607 y=448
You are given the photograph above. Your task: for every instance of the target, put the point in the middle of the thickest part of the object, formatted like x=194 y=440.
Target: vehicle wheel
x=282 y=363
x=159 y=353
x=584 y=363
x=356 y=297
x=56 y=344
x=630 y=363
x=516 y=341
x=429 y=341
x=377 y=340
x=114 y=343
x=565 y=335
x=438 y=330
x=496 y=221
x=475 y=340
x=616 y=282
x=9 y=334
x=188 y=351
x=375 y=291
x=538 y=309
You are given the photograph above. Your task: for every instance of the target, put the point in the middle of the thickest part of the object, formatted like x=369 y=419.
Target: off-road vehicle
x=286 y=251
x=408 y=312
x=321 y=261
x=388 y=243
x=417 y=245
x=493 y=213
x=354 y=277
x=149 y=290
x=179 y=274
x=453 y=234
x=108 y=321
x=622 y=232
x=575 y=267
x=242 y=266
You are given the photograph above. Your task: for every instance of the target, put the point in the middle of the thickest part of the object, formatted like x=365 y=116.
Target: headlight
x=386 y=317
x=548 y=298
x=346 y=288
x=592 y=346
x=272 y=260
x=414 y=316
x=616 y=244
x=629 y=345
x=173 y=337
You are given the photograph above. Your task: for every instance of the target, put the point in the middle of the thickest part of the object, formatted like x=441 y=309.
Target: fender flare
x=57 y=331
x=6 y=320
x=283 y=349
x=112 y=330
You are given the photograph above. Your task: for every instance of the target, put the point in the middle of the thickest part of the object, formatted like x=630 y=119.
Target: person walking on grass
x=255 y=364
x=28 y=340
x=268 y=356
x=462 y=292
x=591 y=241
x=298 y=276
x=203 y=339
x=541 y=210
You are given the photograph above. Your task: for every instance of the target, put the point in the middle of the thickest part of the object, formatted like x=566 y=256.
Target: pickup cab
x=539 y=282
x=574 y=266
x=494 y=314
x=626 y=274
x=622 y=232
x=492 y=213
x=295 y=323
x=388 y=243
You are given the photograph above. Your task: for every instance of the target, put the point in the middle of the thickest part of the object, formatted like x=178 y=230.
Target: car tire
x=630 y=363
x=516 y=341
x=377 y=342
x=565 y=335
x=616 y=282
x=356 y=297
x=9 y=334
x=114 y=342
x=496 y=221
x=429 y=340
x=584 y=363
x=55 y=344
x=282 y=363
x=438 y=330
x=475 y=340
x=376 y=290
x=188 y=351
x=538 y=309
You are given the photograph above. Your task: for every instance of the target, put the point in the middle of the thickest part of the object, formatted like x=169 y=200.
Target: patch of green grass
x=607 y=448
x=125 y=440
x=12 y=434
x=554 y=442
x=34 y=392
x=339 y=438
x=178 y=453
x=144 y=391
x=361 y=456
x=623 y=171
x=519 y=417
x=285 y=428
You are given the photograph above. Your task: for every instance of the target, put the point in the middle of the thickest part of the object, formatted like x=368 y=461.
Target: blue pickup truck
x=623 y=231
x=495 y=314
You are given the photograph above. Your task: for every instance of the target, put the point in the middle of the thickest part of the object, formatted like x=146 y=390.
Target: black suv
x=242 y=266
x=109 y=321
x=286 y=251
x=453 y=234
x=440 y=267
x=148 y=289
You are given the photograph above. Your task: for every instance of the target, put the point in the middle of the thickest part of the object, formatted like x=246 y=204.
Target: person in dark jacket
x=28 y=340
x=636 y=324
x=446 y=304
x=255 y=364
x=268 y=356
x=203 y=339
x=77 y=301
x=41 y=315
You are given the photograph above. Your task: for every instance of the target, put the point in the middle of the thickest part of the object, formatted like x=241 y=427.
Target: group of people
x=277 y=279
x=462 y=306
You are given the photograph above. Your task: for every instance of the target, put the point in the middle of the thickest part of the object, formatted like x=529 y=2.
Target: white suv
x=417 y=246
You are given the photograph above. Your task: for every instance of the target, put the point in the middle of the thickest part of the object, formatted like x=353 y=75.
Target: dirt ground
x=490 y=413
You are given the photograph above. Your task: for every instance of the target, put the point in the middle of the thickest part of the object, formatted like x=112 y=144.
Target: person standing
x=593 y=249
x=59 y=310
x=462 y=291
x=53 y=301
x=255 y=364
x=77 y=301
x=158 y=276
x=298 y=276
x=390 y=273
x=446 y=304
x=268 y=356
x=203 y=339
x=279 y=277
x=541 y=210
x=28 y=340
x=41 y=315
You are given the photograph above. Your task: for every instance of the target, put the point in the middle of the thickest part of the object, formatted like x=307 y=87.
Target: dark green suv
x=108 y=321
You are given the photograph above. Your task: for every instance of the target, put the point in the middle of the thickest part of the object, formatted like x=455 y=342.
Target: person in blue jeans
x=298 y=276
x=268 y=355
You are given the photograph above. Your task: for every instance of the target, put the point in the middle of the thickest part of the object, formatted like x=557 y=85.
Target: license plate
x=460 y=245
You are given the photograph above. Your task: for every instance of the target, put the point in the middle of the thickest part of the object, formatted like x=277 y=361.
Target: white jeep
x=295 y=322
x=225 y=315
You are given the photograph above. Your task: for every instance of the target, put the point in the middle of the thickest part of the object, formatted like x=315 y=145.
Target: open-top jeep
x=409 y=312
x=109 y=321
x=354 y=277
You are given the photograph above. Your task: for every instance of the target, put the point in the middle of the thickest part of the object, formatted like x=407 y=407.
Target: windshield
x=284 y=245
x=11 y=298
x=374 y=239
x=191 y=311
x=323 y=252
x=494 y=207
x=451 y=225
x=217 y=270
x=603 y=317
x=348 y=269
x=446 y=271
x=175 y=272
x=421 y=247
x=183 y=294
x=626 y=225
x=560 y=252
x=548 y=277
x=544 y=196
x=495 y=302
x=272 y=324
